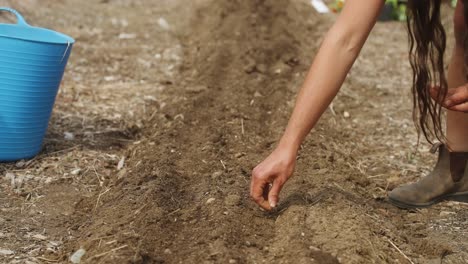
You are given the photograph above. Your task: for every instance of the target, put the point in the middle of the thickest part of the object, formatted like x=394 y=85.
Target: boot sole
x=459 y=197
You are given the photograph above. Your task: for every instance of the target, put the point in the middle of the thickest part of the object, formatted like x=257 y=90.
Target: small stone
x=167 y=251
x=211 y=200
x=196 y=88
x=68 y=136
x=257 y=94
x=232 y=200
x=76 y=257
x=280 y=67
x=6 y=252
x=75 y=171
x=39 y=237
x=20 y=164
x=232 y=261
x=346 y=114
x=9 y=176
x=239 y=155
x=314 y=248
x=216 y=174
x=17 y=183
x=446 y=213
x=127 y=36
x=163 y=23
x=121 y=163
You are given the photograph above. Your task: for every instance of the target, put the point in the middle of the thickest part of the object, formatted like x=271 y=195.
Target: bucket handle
x=19 y=17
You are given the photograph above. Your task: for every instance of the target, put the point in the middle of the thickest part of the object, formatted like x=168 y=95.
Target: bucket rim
x=23 y=31
x=69 y=40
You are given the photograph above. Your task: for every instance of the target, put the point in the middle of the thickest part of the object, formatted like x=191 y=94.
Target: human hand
x=456 y=99
x=270 y=175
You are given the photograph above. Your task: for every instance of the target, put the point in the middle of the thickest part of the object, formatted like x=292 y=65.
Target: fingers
x=435 y=94
x=273 y=195
x=458 y=95
x=258 y=187
x=460 y=107
x=456 y=99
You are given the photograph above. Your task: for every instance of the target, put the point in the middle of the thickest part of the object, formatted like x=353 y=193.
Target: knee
x=459 y=24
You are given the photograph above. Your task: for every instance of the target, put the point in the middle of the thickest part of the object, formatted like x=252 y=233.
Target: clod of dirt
x=262 y=68
x=232 y=200
x=251 y=66
x=122 y=173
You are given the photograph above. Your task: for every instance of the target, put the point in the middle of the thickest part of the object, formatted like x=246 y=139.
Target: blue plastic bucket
x=32 y=63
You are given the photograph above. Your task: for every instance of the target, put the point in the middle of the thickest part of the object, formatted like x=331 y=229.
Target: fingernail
x=272 y=204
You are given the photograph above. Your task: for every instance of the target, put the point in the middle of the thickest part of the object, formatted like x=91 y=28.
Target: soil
x=168 y=105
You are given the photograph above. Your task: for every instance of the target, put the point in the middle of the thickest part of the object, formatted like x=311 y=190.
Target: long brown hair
x=427 y=43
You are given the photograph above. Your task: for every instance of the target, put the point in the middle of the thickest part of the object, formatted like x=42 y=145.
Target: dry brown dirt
x=171 y=104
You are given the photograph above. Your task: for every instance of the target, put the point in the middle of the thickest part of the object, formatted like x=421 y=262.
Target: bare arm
x=337 y=54
x=338 y=51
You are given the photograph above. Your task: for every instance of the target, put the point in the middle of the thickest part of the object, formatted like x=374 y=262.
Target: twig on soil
x=107 y=252
x=375 y=176
x=98 y=238
x=173 y=212
x=140 y=209
x=242 y=126
x=48 y=260
x=111 y=242
x=222 y=163
x=99 y=198
x=57 y=152
x=401 y=252
x=101 y=182
x=332 y=110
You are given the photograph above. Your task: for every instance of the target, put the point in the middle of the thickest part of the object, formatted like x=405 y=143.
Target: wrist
x=289 y=145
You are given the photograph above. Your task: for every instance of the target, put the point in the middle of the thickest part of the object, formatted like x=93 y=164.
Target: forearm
x=334 y=58
x=332 y=63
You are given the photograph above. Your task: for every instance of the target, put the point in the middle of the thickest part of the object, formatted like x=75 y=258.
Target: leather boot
x=448 y=181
